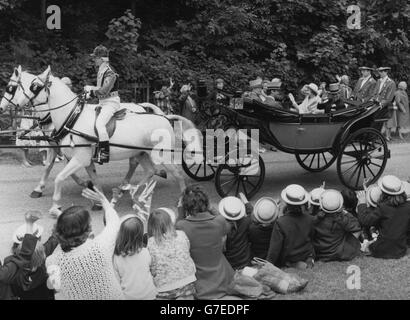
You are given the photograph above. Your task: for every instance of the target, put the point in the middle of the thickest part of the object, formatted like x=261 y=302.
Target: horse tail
x=191 y=136
x=152 y=107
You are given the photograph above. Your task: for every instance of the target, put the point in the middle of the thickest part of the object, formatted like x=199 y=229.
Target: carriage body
x=351 y=137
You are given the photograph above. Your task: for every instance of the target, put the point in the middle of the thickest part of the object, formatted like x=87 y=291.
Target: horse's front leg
x=38 y=190
x=72 y=166
x=133 y=164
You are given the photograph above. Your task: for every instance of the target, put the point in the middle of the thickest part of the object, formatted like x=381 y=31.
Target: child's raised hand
x=361 y=196
x=96 y=195
x=116 y=193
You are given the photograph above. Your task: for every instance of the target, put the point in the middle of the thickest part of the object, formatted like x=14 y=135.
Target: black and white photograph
x=225 y=151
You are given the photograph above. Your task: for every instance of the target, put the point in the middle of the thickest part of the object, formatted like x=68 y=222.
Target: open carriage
x=351 y=137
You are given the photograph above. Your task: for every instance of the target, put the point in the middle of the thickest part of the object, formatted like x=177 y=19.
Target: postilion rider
x=107 y=93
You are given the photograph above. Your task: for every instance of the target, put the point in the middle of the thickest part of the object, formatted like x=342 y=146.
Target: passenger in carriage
x=256 y=92
x=334 y=101
x=346 y=91
x=310 y=103
x=274 y=90
x=220 y=96
x=363 y=90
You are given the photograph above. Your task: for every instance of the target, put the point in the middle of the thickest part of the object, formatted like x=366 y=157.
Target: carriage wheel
x=230 y=180
x=315 y=162
x=199 y=172
x=363 y=156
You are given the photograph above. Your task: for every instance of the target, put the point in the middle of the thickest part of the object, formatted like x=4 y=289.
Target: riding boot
x=103 y=152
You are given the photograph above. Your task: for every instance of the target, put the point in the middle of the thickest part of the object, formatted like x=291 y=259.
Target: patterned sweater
x=172 y=266
x=86 y=272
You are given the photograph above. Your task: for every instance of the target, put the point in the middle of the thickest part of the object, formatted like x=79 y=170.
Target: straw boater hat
x=373 y=194
x=391 y=185
x=366 y=68
x=406 y=187
x=383 y=69
x=334 y=88
x=313 y=87
x=232 y=208
x=171 y=214
x=266 y=210
x=295 y=194
x=314 y=197
x=331 y=201
x=18 y=235
x=257 y=83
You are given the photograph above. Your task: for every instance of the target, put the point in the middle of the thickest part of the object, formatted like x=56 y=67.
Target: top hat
x=232 y=208
x=373 y=194
x=266 y=210
x=100 y=52
x=295 y=194
x=331 y=201
x=383 y=69
x=334 y=88
x=257 y=83
x=391 y=185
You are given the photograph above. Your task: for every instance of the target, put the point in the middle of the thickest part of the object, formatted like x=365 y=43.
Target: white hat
x=171 y=214
x=373 y=194
x=314 y=196
x=295 y=194
x=331 y=201
x=406 y=187
x=391 y=185
x=257 y=83
x=18 y=235
x=266 y=210
x=313 y=87
x=232 y=208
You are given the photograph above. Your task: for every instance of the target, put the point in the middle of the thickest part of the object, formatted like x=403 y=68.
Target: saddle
x=112 y=124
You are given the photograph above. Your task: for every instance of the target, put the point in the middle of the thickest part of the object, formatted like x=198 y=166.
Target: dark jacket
x=333 y=236
x=331 y=104
x=392 y=224
x=28 y=285
x=259 y=237
x=205 y=232
x=14 y=264
x=291 y=239
x=238 y=247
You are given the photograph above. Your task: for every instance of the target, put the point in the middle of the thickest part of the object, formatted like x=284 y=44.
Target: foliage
x=297 y=40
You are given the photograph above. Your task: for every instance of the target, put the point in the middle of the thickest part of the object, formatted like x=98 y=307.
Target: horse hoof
x=36 y=194
x=55 y=212
x=162 y=173
x=96 y=207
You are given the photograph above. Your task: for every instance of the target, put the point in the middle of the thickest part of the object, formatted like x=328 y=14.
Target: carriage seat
x=112 y=124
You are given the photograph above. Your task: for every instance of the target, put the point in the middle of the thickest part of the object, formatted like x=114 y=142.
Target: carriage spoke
x=237 y=189
x=350 y=168
x=244 y=189
x=358 y=175
x=305 y=158
x=228 y=182
x=354 y=171
x=199 y=167
x=368 y=168
x=375 y=164
x=347 y=162
x=247 y=181
x=313 y=158
x=230 y=189
x=324 y=158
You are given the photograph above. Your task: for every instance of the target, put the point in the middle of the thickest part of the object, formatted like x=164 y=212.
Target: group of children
x=193 y=252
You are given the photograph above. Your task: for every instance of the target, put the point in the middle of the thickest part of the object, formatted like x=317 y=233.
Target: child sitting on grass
x=31 y=283
x=336 y=230
x=238 y=248
x=172 y=266
x=392 y=217
x=291 y=240
x=264 y=215
x=132 y=261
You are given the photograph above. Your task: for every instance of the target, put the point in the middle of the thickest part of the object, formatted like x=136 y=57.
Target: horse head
x=16 y=90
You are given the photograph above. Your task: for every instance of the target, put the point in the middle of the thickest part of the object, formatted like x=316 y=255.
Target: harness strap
x=69 y=122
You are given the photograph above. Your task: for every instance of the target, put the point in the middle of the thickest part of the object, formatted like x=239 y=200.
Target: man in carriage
x=385 y=88
x=334 y=99
x=109 y=100
x=363 y=90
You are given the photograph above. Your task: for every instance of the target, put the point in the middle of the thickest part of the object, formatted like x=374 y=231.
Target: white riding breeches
x=108 y=107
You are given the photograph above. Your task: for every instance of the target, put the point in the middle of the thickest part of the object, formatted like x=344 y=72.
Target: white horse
x=136 y=130
x=52 y=154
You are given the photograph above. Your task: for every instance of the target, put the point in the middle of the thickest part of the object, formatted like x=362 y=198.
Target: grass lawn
x=380 y=279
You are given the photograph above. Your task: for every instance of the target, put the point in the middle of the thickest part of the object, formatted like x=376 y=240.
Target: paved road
x=17 y=182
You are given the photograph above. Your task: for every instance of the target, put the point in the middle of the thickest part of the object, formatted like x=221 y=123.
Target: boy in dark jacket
x=391 y=217
x=264 y=215
x=21 y=261
x=290 y=244
x=237 y=245
x=336 y=230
